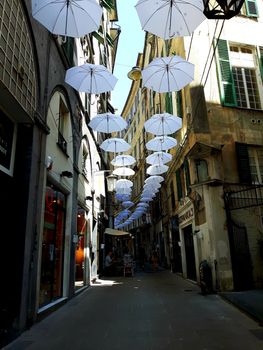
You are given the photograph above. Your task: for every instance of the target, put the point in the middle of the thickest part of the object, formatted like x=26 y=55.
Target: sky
x=131 y=42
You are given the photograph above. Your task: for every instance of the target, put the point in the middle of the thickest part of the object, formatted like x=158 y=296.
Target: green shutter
x=251 y=7
x=179 y=184
x=227 y=88
x=243 y=163
x=169 y=103
x=68 y=48
x=187 y=176
x=179 y=103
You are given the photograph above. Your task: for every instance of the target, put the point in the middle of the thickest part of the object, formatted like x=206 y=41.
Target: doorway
x=189 y=252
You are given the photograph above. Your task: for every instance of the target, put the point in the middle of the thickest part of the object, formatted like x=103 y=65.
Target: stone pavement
x=150 y=311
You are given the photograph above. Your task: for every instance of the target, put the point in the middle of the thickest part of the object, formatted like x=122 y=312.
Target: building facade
x=49 y=157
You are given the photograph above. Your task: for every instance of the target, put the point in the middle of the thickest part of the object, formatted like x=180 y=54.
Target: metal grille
x=243 y=196
x=17 y=69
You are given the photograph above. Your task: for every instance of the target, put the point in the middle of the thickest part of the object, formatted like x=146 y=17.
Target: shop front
x=81 y=248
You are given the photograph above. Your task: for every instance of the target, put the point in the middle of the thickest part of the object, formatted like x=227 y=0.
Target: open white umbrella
x=166 y=74
x=123 y=171
x=123 y=183
x=153 y=179
x=115 y=144
x=159 y=158
x=146 y=199
x=127 y=204
x=73 y=18
x=90 y=78
x=161 y=143
x=123 y=160
x=157 y=169
x=108 y=123
x=145 y=205
x=163 y=124
x=123 y=191
x=170 y=18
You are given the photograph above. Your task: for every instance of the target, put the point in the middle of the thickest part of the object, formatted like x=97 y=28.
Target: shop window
x=51 y=278
x=240 y=68
x=80 y=248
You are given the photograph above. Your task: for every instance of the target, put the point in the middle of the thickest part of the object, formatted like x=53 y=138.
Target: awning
x=111 y=231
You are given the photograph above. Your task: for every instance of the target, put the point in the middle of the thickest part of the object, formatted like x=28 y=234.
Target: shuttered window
x=187 y=176
x=227 y=88
x=251 y=8
x=179 y=103
x=179 y=184
x=68 y=48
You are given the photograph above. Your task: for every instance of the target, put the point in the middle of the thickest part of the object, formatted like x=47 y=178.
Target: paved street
x=150 y=311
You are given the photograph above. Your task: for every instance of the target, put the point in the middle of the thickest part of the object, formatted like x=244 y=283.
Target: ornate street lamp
x=222 y=9
x=135 y=73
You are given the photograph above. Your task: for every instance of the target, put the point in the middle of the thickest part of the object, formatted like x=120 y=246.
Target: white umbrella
x=145 y=205
x=127 y=204
x=166 y=74
x=163 y=124
x=157 y=169
x=90 y=78
x=154 y=178
x=170 y=18
x=115 y=144
x=107 y=123
x=159 y=158
x=123 y=183
x=123 y=191
x=73 y=18
x=161 y=143
x=123 y=160
x=146 y=199
x=123 y=171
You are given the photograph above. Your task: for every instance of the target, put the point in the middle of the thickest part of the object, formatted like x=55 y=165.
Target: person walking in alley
x=109 y=264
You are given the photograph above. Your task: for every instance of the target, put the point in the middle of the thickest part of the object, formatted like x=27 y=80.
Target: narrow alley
x=150 y=311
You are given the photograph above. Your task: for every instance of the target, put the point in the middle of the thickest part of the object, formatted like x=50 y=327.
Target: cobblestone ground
x=150 y=311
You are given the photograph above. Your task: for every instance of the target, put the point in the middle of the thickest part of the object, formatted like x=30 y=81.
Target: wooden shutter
x=179 y=184
x=179 y=103
x=251 y=7
x=169 y=103
x=243 y=163
x=227 y=88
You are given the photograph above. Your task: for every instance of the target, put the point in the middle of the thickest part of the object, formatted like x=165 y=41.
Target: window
x=240 y=82
x=84 y=161
x=169 y=103
x=172 y=195
x=62 y=143
x=249 y=8
x=201 y=170
x=255 y=155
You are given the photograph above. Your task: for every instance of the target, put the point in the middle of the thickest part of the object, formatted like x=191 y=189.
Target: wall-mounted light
x=111 y=182
x=67 y=173
x=49 y=162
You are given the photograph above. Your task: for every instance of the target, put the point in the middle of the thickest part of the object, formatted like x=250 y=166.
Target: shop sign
x=7 y=128
x=186 y=216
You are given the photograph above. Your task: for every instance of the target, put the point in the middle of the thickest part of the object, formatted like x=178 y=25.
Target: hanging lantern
x=222 y=9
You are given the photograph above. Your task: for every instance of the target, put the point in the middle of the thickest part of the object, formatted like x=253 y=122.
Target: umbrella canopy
x=161 y=143
x=122 y=183
x=123 y=190
x=157 y=169
x=159 y=158
x=127 y=204
x=170 y=18
x=166 y=74
x=145 y=205
x=153 y=179
x=115 y=144
x=123 y=171
x=107 y=123
x=122 y=197
x=146 y=199
x=90 y=78
x=73 y=18
x=163 y=124
x=123 y=160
